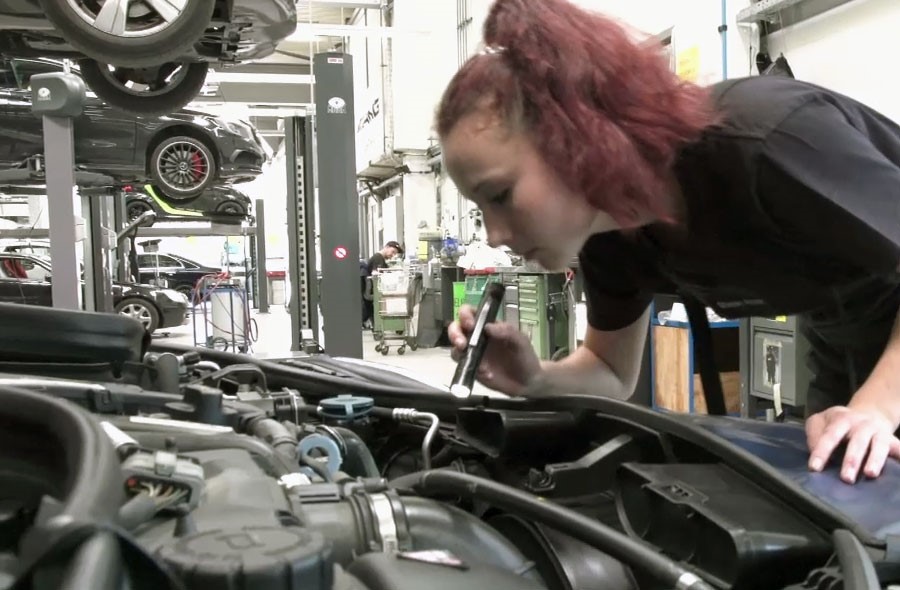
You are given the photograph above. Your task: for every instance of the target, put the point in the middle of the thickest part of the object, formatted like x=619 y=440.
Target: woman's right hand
x=509 y=364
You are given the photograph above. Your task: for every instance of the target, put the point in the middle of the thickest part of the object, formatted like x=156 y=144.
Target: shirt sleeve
x=830 y=175
x=614 y=295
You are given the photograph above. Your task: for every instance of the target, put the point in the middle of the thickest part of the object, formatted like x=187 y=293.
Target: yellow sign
x=781 y=318
x=688 y=64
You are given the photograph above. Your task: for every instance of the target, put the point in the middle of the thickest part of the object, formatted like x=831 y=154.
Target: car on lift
x=220 y=204
x=25 y=279
x=146 y=56
x=178 y=272
x=182 y=153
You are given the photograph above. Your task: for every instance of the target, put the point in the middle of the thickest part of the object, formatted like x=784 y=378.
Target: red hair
x=604 y=111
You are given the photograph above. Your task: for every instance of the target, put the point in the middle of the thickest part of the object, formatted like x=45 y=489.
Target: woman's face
x=525 y=204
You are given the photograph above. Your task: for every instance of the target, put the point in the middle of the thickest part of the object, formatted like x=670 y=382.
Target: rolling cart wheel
x=401 y=351
x=385 y=350
x=414 y=346
x=378 y=348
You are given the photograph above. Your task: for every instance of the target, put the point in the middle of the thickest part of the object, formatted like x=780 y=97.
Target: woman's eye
x=501 y=198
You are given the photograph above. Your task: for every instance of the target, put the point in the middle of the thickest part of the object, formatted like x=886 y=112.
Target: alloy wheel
x=183 y=165
x=138 y=312
x=129 y=18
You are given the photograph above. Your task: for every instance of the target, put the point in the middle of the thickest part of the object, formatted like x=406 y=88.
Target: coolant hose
x=358 y=459
x=52 y=436
x=578 y=526
x=276 y=434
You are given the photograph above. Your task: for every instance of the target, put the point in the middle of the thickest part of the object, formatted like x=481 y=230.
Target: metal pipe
x=412 y=416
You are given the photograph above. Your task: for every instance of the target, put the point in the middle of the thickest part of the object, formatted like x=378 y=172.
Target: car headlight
x=174 y=295
x=235 y=128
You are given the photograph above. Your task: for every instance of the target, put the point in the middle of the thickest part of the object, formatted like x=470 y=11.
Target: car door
x=104 y=137
x=21 y=133
x=25 y=281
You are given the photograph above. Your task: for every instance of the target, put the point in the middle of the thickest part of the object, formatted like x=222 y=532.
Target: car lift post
x=262 y=278
x=58 y=97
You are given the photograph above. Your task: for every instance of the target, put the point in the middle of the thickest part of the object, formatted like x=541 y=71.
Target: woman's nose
x=497 y=232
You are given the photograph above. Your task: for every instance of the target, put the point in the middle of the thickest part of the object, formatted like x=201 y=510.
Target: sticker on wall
x=337 y=105
x=340 y=253
x=688 y=64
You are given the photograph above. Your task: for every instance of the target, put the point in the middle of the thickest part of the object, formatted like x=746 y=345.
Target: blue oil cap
x=346 y=407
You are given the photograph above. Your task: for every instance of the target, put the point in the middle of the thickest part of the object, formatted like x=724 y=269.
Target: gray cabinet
x=773 y=352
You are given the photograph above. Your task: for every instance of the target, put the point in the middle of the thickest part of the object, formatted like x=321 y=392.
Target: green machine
x=545 y=311
x=539 y=303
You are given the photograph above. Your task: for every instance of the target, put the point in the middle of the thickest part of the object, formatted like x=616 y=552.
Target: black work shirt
x=375 y=262
x=792 y=207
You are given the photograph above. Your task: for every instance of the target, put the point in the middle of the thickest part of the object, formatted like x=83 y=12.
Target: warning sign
x=341 y=252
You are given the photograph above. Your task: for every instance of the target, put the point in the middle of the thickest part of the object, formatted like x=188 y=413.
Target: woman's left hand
x=869 y=434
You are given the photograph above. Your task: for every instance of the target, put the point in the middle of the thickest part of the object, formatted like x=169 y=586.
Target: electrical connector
x=169 y=478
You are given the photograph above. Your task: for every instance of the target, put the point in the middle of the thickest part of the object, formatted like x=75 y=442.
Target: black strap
x=703 y=355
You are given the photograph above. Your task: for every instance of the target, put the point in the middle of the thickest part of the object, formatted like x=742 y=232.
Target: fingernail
x=849 y=476
x=816 y=464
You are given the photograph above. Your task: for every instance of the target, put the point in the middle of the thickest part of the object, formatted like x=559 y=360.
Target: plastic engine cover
x=252 y=558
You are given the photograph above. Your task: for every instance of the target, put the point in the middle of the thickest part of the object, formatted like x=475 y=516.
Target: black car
x=179 y=273
x=161 y=49
x=222 y=204
x=181 y=153
x=26 y=279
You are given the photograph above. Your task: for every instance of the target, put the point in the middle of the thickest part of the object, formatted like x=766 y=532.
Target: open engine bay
x=130 y=465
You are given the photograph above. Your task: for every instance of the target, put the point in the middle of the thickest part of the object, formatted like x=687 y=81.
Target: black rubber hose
x=90 y=475
x=856 y=566
x=578 y=526
x=276 y=434
x=358 y=461
x=97 y=565
x=309 y=381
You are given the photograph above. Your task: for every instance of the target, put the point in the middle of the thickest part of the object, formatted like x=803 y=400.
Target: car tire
x=174 y=95
x=172 y=181
x=235 y=209
x=136 y=208
x=143 y=311
x=171 y=43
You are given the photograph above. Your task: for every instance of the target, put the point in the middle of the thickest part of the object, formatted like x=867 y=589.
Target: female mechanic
x=758 y=197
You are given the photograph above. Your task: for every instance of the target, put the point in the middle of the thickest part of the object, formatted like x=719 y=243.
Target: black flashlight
x=467 y=368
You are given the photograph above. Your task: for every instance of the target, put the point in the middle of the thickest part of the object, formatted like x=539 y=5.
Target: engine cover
x=252 y=558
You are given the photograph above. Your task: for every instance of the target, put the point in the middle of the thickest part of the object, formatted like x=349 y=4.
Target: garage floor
x=434 y=364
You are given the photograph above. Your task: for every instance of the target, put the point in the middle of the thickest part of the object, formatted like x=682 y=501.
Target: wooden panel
x=731 y=387
x=671 y=368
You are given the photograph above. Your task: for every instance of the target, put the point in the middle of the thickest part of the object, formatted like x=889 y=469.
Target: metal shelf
x=764 y=10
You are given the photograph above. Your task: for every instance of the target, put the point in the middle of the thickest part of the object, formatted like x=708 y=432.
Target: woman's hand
x=509 y=364
x=869 y=434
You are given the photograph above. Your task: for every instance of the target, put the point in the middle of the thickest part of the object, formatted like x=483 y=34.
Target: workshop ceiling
x=281 y=85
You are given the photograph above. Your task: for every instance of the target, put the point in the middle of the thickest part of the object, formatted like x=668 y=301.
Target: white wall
x=850 y=49
x=368 y=77
x=424 y=60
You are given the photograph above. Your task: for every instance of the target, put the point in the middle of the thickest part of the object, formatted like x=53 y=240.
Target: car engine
x=125 y=465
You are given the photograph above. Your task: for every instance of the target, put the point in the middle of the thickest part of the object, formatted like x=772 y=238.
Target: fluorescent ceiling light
x=306 y=30
x=249 y=78
x=371 y=4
